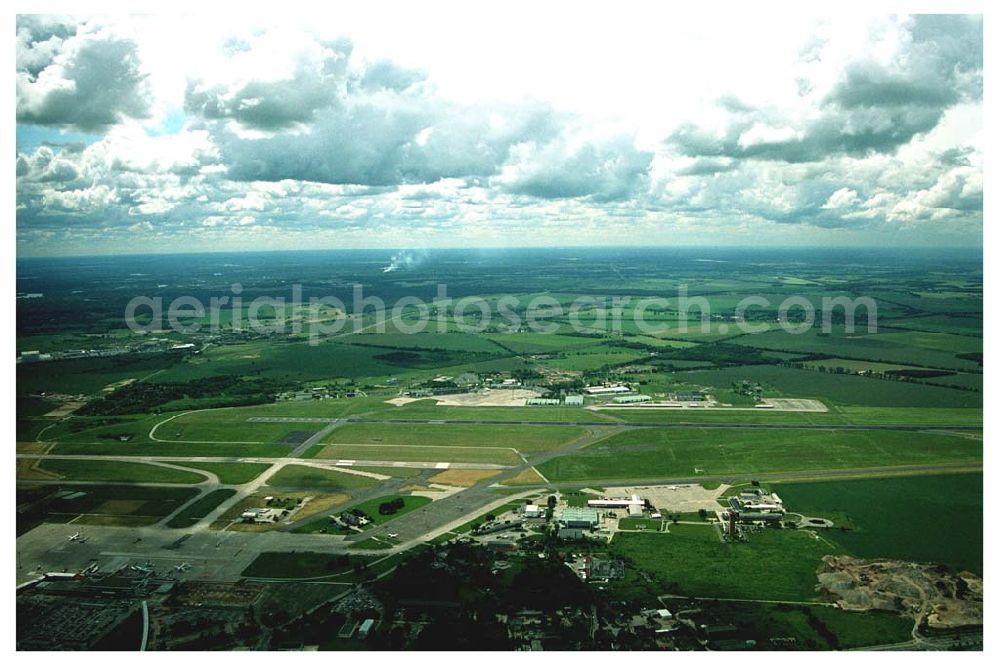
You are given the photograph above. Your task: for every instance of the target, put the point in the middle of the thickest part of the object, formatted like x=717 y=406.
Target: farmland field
x=842 y=389
x=921 y=518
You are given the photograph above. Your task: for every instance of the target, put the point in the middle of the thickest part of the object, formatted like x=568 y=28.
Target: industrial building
x=576 y=518
x=543 y=401
x=573 y=401
x=630 y=399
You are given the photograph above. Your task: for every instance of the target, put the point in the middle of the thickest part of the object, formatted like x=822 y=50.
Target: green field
x=426 y=410
x=301 y=476
x=675 y=453
x=419 y=454
x=775 y=565
x=126 y=505
x=114 y=471
x=171 y=449
x=231 y=473
x=779 y=381
x=646 y=524
x=838 y=414
x=920 y=518
x=527 y=439
x=410 y=502
x=224 y=425
x=935 y=350
x=198 y=510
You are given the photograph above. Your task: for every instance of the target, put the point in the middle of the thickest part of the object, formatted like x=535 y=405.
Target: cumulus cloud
x=268 y=86
x=88 y=80
x=875 y=106
x=606 y=170
x=330 y=120
x=842 y=198
x=285 y=135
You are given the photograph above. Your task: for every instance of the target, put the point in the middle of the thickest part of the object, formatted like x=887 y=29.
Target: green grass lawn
x=179 y=449
x=419 y=454
x=224 y=425
x=410 y=502
x=114 y=471
x=647 y=524
x=773 y=565
x=919 y=518
x=192 y=514
x=231 y=473
x=649 y=453
x=528 y=439
x=301 y=476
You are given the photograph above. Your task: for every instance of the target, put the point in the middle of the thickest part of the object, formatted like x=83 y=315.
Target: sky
x=432 y=126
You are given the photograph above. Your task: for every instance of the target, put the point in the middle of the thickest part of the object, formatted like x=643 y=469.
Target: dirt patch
x=27 y=470
x=32 y=447
x=65 y=409
x=528 y=477
x=947 y=600
x=489 y=398
x=462 y=477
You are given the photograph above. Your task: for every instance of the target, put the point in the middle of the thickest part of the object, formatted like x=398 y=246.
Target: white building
x=533 y=511
x=633 y=504
x=606 y=390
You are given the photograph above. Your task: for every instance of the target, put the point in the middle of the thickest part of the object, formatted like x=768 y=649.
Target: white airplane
x=77 y=537
x=182 y=567
x=393 y=535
